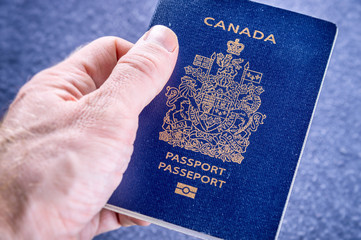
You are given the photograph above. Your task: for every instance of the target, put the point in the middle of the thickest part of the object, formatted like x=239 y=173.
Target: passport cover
x=217 y=150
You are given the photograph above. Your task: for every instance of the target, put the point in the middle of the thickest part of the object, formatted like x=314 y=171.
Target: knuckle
x=148 y=67
x=143 y=64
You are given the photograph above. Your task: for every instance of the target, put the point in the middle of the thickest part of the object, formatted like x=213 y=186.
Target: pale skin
x=68 y=137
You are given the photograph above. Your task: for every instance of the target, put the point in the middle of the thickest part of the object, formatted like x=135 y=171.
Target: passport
x=217 y=150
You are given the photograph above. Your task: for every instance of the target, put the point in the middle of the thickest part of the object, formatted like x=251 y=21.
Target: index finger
x=98 y=58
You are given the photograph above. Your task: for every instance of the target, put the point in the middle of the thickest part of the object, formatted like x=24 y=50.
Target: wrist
x=22 y=191
x=11 y=206
x=13 y=195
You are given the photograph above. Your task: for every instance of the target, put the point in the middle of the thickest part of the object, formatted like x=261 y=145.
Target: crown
x=235 y=47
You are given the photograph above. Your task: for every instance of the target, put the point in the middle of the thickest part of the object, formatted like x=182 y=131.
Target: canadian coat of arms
x=214 y=112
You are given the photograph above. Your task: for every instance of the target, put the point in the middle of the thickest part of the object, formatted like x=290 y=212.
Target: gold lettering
x=207 y=181
x=183 y=172
x=214 y=182
x=168 y=168
x=222 y=169
x=190 y=162
x=231 y=27
x=221 y=25
x=221 y=183
x=190 y=174
x=206 y=169
x=256 y=32
x=161 y=165
x=176 y=170
x=169 y=155
x=206 y=21
x=245 y=31
x=197 y=163
x=196 y=176
x=271 y=38
x=176 y=157
x=235 y=30
x=214 y=169
x=183 y=160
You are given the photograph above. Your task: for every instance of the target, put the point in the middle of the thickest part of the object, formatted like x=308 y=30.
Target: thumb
x=142 y=73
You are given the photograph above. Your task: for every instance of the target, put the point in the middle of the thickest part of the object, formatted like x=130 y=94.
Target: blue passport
x=217 y=150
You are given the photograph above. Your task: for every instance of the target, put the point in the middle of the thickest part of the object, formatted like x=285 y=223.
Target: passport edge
x=307 y=132
x=161 y=223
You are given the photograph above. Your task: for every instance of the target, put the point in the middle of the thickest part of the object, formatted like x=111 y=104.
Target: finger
x=141 y=73
x=127 y=221
x=85 y=70
x=98 y=58
x=110 y=220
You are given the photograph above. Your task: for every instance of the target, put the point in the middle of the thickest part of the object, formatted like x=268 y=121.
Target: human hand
x=68 y=137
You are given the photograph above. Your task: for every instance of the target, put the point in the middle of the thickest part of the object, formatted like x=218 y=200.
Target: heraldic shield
x=215 y=110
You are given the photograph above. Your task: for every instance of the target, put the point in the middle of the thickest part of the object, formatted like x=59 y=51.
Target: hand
x=68 y=137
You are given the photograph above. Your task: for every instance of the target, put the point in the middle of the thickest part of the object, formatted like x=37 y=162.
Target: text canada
x=231 y=27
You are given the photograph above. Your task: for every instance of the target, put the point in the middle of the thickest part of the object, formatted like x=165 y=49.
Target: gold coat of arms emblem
x=214 y=110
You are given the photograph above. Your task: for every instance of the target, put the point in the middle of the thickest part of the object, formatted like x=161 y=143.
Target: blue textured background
x=326 y=198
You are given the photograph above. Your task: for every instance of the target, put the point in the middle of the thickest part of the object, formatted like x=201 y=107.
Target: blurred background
x=326 y=198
